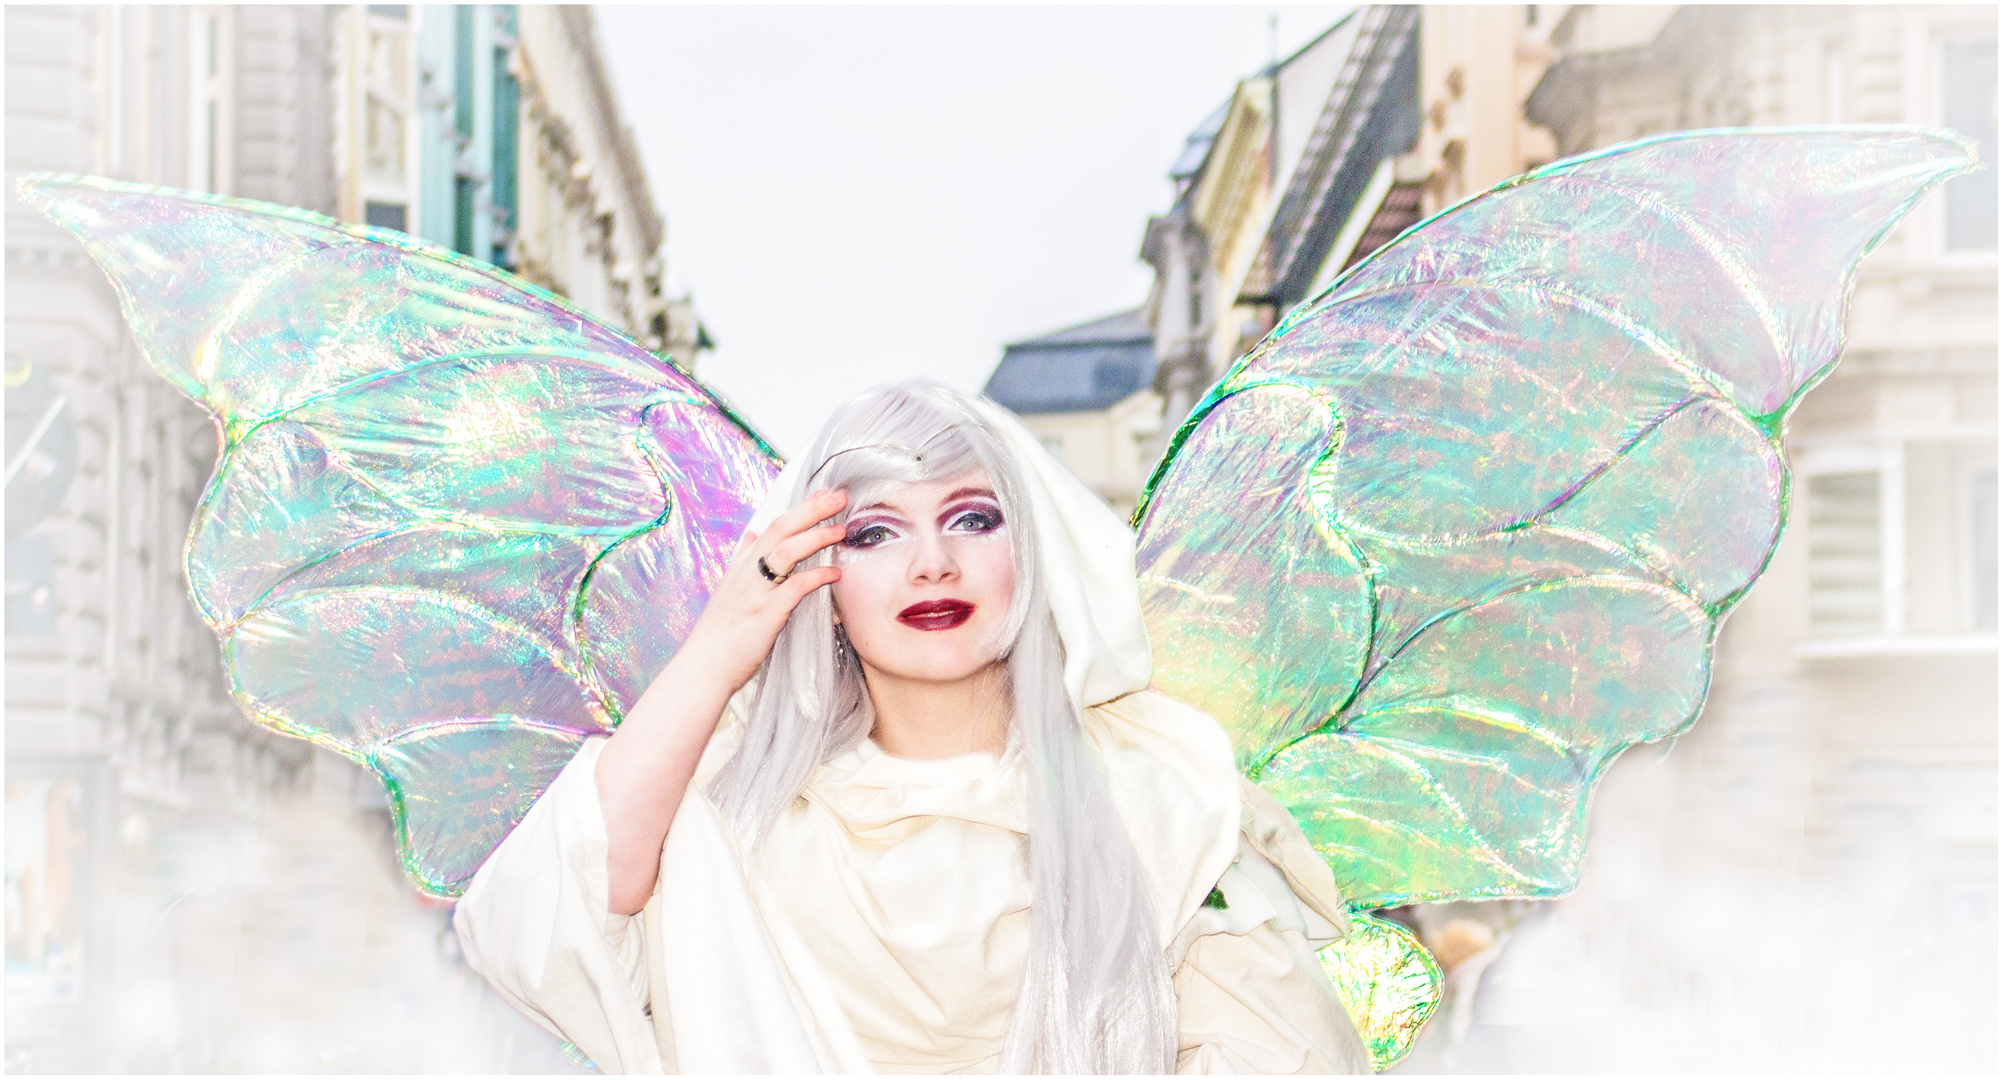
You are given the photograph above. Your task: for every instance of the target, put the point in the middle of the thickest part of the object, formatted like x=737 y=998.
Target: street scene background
x=1087 y=214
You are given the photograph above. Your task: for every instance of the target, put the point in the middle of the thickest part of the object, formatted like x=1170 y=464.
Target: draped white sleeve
x=536 y=922
x=700 y=982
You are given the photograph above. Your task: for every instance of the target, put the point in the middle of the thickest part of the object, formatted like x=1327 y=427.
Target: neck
x=926 y=721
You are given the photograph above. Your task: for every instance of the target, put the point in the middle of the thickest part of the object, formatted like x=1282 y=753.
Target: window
x=389 y=62
x=383 y=152
x=1982 y=549
x=31 y=587
x=383 y=155
x=463 y=191
x=384 y=215
x=1901 y=542
x=209 y=130
x=507 y=110
x=1968 y=98
x=1846 y=565
x=41 y=439
x=48 y=851
x=462 y=70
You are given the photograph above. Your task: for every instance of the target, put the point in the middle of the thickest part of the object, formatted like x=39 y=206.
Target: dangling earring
x=842 y=646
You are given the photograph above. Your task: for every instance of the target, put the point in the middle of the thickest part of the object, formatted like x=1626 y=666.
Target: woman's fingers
x=745 y=612
x=795 y=549
x=806 y=581
x=819 y=505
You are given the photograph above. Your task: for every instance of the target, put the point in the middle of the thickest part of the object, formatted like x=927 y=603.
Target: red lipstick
x=936 y=614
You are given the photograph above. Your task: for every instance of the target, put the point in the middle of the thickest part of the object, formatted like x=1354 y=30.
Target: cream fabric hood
x=1086 y=554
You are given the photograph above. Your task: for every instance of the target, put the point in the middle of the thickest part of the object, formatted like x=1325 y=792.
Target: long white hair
x=1096 y=995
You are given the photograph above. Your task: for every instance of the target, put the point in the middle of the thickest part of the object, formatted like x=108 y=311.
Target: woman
x=902 y=803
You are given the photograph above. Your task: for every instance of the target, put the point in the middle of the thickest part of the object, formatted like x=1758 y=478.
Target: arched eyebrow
x=951 y=497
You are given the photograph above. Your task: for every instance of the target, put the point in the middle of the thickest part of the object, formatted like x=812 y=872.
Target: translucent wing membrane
x=1389 y=984
x=456 y=526
x=1463 y=527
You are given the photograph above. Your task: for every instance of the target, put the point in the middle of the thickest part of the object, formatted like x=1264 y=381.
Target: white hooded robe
x=884 y=923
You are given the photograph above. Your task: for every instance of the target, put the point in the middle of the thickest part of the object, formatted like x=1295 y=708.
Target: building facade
x=1845 y=763
x=587 y=226
x=1274 y=194
x=120 y=731
x=492 y=130
x=185 y=891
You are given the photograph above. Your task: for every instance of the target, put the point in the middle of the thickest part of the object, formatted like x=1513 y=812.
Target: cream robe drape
x=884 y=925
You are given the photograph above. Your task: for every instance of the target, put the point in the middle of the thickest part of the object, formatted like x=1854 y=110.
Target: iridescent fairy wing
x=456 y=524
x=1463 y=527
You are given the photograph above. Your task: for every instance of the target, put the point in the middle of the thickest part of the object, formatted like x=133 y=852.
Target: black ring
x=769 y=575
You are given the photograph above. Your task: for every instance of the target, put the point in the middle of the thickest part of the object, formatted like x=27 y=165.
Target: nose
x=932 y=562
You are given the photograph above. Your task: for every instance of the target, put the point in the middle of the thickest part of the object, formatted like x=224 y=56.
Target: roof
x=1082 y=368
x=1196 y=149
x=1313 y=41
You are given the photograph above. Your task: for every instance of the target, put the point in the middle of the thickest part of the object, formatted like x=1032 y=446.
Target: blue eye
x=977 y=521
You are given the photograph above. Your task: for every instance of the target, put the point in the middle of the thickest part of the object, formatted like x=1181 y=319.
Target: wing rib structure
x=456 y=524
x=1463 y=527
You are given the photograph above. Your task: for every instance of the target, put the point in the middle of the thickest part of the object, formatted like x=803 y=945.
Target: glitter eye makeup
x=971 y=511
x=868 y=533
x=977 y=517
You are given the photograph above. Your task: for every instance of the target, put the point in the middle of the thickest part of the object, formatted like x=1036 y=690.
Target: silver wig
x=1096 y=994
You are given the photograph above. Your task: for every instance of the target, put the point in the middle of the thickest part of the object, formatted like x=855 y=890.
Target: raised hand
x=759 y=591
x=646 y=767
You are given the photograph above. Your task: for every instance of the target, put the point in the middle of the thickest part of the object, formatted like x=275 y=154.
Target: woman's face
x=927 y=578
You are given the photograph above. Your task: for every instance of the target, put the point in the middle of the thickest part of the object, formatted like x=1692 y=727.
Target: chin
x=929 y=659
x=944 y=669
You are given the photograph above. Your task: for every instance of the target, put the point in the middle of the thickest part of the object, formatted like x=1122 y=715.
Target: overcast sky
x=857 y=195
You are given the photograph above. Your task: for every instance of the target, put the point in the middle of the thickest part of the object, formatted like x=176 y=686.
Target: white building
x=185 y=891
x=588 y=227
x=1829 y=825
x=491 y=129
x=120 y=731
